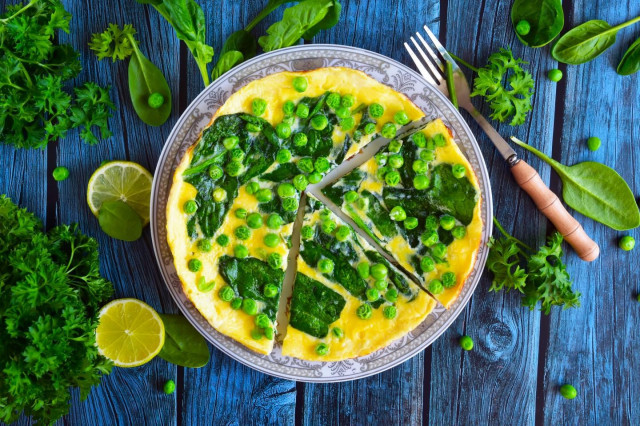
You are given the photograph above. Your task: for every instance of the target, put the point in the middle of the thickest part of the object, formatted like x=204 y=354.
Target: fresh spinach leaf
x=145 y=79
x=330 y=20
x=243 y=42
x=630 y=62
x=120 y=221
x=314 y=306
x=595 y=190
x=183 y=345
x=546 y=18
x=227 y=61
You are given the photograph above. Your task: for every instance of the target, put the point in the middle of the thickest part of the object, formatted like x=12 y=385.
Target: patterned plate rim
x=266 y=364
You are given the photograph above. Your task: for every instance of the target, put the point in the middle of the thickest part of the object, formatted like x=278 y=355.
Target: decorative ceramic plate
x=306 y=57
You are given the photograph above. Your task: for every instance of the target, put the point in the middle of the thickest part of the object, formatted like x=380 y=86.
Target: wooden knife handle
x=551 y=206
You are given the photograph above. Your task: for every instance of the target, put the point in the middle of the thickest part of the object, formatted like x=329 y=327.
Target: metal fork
x=432 y=69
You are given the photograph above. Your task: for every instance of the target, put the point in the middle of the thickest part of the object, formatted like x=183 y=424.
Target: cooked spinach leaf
x=314 y=306
x=379 y=215
x=395 y=277
x=284 y=172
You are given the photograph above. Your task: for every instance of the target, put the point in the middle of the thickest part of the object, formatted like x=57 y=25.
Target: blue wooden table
x=520 y=358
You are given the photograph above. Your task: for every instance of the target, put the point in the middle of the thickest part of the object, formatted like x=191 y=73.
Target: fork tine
x=425 y=73
x=441 y=50
x=434 y=58
x=433 y=68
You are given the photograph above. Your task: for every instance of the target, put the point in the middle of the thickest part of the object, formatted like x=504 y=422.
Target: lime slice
x=130 y=332
x=121 y=180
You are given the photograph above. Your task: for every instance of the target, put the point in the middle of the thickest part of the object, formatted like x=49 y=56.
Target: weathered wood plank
x=594 y=347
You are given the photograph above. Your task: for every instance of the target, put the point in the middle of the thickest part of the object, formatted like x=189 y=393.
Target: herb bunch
x=35 y=106
x=540 y=276
x=50 y=294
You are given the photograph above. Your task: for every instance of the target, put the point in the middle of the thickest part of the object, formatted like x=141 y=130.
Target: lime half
x=124 y=181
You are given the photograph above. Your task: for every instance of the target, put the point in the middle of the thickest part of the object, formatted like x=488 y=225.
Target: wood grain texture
x=594 y=347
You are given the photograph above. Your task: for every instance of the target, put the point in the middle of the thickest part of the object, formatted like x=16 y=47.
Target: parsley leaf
x=114 y=43
x=51 y=292
x=545 y=278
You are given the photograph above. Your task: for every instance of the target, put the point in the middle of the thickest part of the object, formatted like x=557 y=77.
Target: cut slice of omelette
x=347 y=300
x=419 y=199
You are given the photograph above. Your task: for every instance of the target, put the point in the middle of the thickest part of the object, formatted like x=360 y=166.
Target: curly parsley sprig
x=540 y=276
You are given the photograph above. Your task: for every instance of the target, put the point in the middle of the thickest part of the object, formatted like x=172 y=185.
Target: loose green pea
x=300 y=139
x=249 y=306
x=421 y=182
x=262 y=321
x=328 y=226
x=395 y=146
x=376 y=110
x=254 y=220
x=439 y=250
x=253 y=187
x=429 y=238
x=466 y=343
x=319 y=122
x=270 y=291
x=396 y=161
x=286 y=190
x=256 y=334
x=240 y=251
x=264 y=195
x=325 y=266
x=194 y=265
x=435 y=287
x=568 y=391
x=347 y=123
x=242 y=232
x=594 y=143
x=458 y=171
x=205 y=245
x=215 y=172
x=60 y=173
x=447 y=222
x=420 y=166
x=369 y=128
x=274 y=260
x=321 y=165
x=333 y=100
x=364 y=311
x=307 y=232
x=343 y=233
x=300 y=182
x=381 y=285
x=258 y=106
x=427 y=264
x=222 y=240
x=379 y=271
x=288 y=107
x=363 y=270
x=190 y=207
x=322 y=349
x=372 y=294
x=459 y=232
x=351 y=196
x=448 y=279
x=440 y=140
x=170 y=385
x=271 y=240
x=226 y=293
x=241 y=213
x=305 y=164
x=427 y=155
x=391 y=295
x=627 y=243
x=302 y=110
x=523 y=27
x=388 y=130
x=155 y=100
x=411 y=223
x=315 y=177
x=401 y=118
x=337 y=331
x=419 y=139
x=300 y=84
x=236 y=303
x=390 y=312
x=392 y=178
x=398 y=214
x=555 y=75
x=234 y=168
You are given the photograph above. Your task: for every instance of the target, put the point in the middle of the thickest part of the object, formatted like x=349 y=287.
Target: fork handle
x=551 y=206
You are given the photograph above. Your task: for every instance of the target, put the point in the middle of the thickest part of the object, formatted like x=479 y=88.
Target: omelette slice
x=348 y=300
x=419 y=199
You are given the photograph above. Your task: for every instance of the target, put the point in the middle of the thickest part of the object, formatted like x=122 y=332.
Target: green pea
x=322 y=165
x=264 y=195
x=337 y=332
x=288 y=107
x=254 y=220
x=348 y=101
x=205 y=245
x=271 y=240
x=439 y=140
x=252 y=187
x=627 y=243
x=555 y=75
x=523 y=27
x=240 y=251
x=205 y=286
x=381 y=159
x=435 y=287
x=274 y=221
x=351 y=196
x=322 y=349
x=289 y=120
x=401 y=118
x=190 y=207
x=236 y=154
x=363 y=270
x=290 y=204
x=343 y=112
x=194 y=265
x=392 y=178
x=250 y=307
x=421 y=182
x=594 y=143
x=215 y=172
x=396 y=161
x=429 y=238
x=333 y=100
x=300 y=84
x=568 y=391
x=364 y=311
x=286 y=190
x=274 y=260
x=447 y=222
x=268 y=333
x=300 y=139
x=270 y=291
x=241 y=213
x=448 y=279
x=390 y=312
x=420 y=167
x=60 y=173
x=427 y=155
x=427 y=264
x=300 y=182
x=242 y=232
x=226 y=293
x=439 y=250
x=431 y=144
x=170 y=385
x=315 y=177
x=347 y=123
x=319 y=122
x=379 y=271
x=391 y=295
x=262 y=321
x=466 y=343
x=382 y=171
x=411 y=223
x=307 y=232
x=234 y=168
x=388 y=130
x=369 y=128
x=458 y=171
x=305 y=164
x=398 y=214
x=343 y=233
x=328 y=226
x=376 y=110
x=372 y=294
x=381 y=285
x=419 y=139
x=222 y=240
x=325 y=214
x=431 y=223
x=258 y=106
x=256 y=334
x=325 y=266
x=283 y=130
x=254 y=127
x=459 y=232
x=230 y=142
x=302 y=110
x=236 y=303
